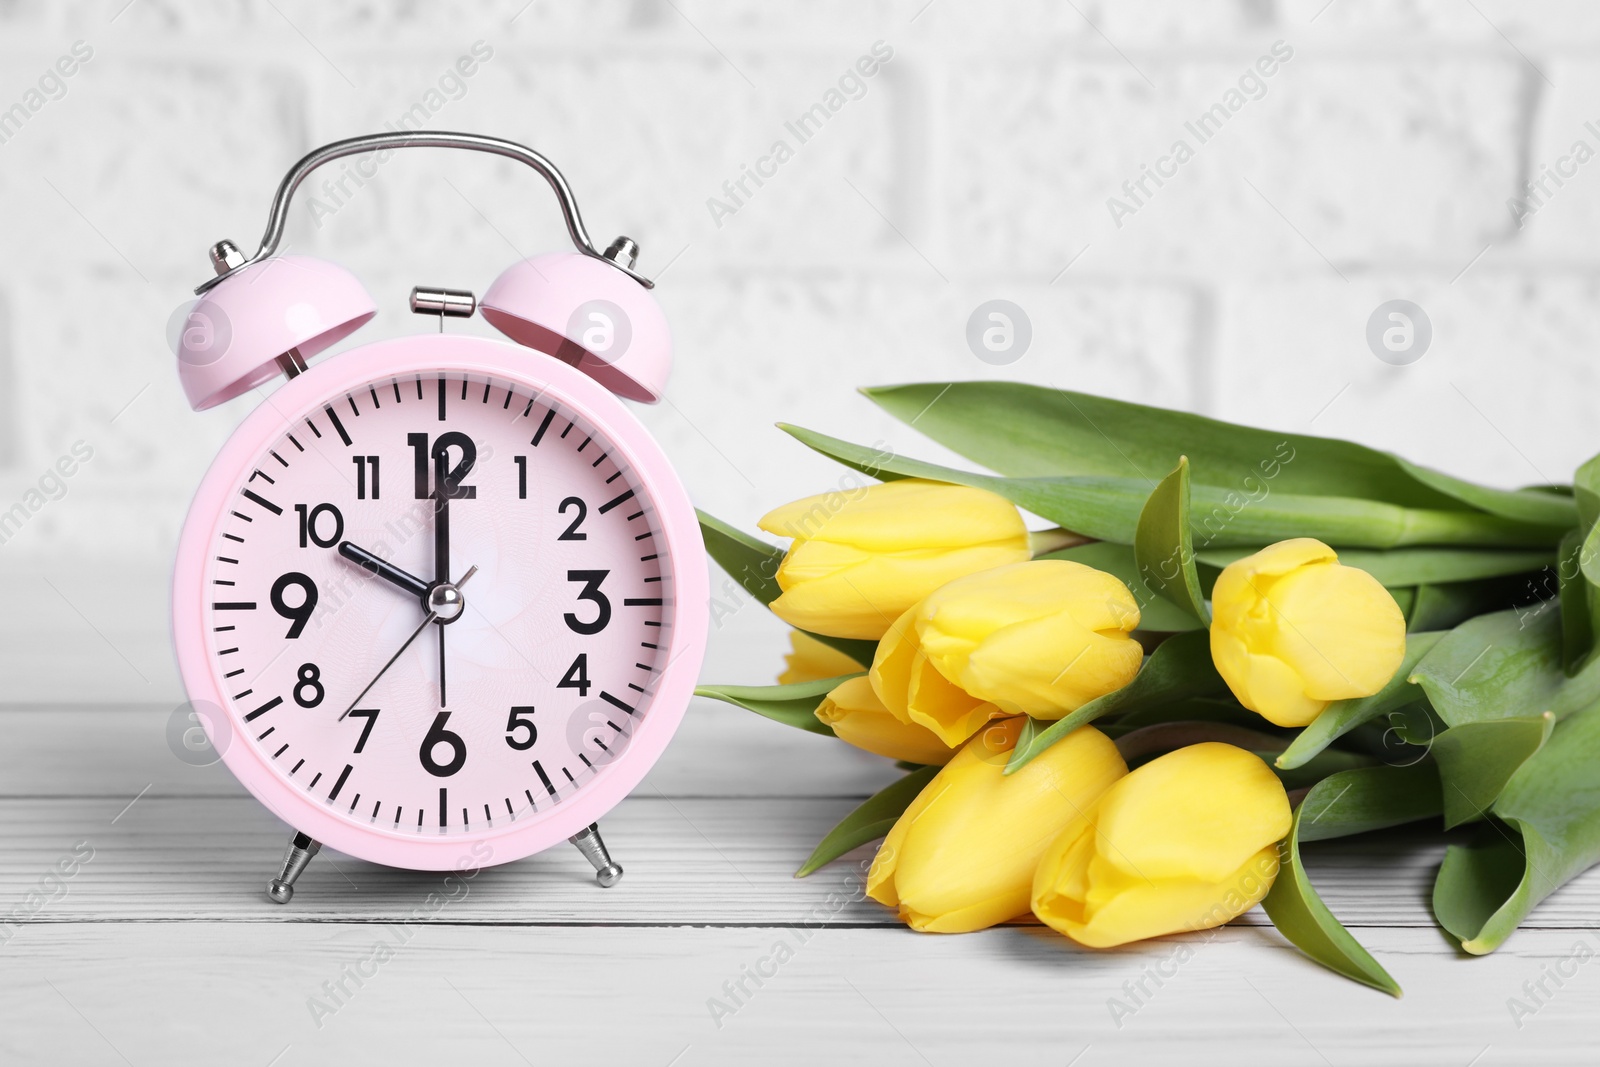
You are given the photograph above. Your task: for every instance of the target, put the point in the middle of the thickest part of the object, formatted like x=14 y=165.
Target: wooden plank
x=208 y=993
x=688 y=860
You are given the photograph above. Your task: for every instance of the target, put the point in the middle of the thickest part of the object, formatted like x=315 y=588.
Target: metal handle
x=353 y=146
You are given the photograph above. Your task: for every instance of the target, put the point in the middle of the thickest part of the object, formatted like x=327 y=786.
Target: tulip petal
x=859 y=718
x=1138 y=910
x=963 y=856
x=1342 y=631
x=888 y=516
x=809 y=660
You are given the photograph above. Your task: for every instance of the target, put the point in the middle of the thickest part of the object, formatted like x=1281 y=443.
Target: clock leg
x=588 y=841
x=301 y=849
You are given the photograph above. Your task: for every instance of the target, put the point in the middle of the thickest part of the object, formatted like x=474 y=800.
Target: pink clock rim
x=470 y=355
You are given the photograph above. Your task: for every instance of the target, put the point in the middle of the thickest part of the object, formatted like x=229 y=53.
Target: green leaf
x=753 y=563
x=1477 y=759
x=1163 y=545
x=872 y=820
x=1179 y=668
x=1505 y=666
x=1553 y=804
x=1448 y=605
x=793 y=705
x=1349 y=802
x=1397 y=567
x=1156 y=616
x=1342 y=716
x=1107 y=508
x=1580 y=604
x=1030 y=431
x=1475 y=880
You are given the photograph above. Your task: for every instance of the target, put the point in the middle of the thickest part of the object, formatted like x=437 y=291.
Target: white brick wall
x=976 y=164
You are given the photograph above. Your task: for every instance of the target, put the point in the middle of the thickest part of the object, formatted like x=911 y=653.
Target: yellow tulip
x=1040 y=638
x=809 y=660
x=856 y=715
x=963 y=855
x=1293 y=629
x=862 y=557
x=1186 y=842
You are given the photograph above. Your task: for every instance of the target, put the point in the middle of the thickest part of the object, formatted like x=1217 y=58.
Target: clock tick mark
x=615 y=501
x=220 y=581
x=538 y=769
x=241 y=515
x=233 y=605
x=585 y=444
x=263 y=709
x=601 y=460
x=280 y=751
x=614 y=702
x=567 y=430
x=485 y=399
x=227 y=651
x=396 y=383
x=636 y=688
x=356 y=411
x=279 y=458
x=220 y=629
x=259 y=473
x=529 y=794
x=538 y=434
x=226 y=559
x=315 y=780
x=241 y=696
x=375 y=808
x=338 y=426
x=256 y=498
x=614 y=477
x=586 y=762
x=339 y=783
x=441 y=400
x=647 y=559
x=313 y=426
x=463 y=397
x=444 y=792
x=356 y=800
x=234 y=674
x=568 y=773
x=296 y=767
x=294 y=442
x=234 y=537
x=262 y=736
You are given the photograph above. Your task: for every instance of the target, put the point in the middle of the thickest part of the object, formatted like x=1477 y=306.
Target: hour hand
x=383 y=569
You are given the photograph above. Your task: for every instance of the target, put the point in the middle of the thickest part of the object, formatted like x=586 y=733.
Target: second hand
x=432 y=616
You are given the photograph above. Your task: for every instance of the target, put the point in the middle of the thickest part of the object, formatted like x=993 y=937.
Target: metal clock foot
x=301 y=849
x=588 y=841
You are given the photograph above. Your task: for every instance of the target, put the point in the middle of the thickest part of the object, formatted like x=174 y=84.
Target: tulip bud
x=809 y=660
x=860 y=558
x=963 y=855
x=1293 y=629
x=1041 y=638
x=1186 y=842
x=856 y=715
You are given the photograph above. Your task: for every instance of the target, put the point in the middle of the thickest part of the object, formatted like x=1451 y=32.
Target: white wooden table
x=163 y=950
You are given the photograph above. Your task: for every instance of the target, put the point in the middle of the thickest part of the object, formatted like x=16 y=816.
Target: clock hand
x=384 y=569
x=441 y=542
x=444 y=597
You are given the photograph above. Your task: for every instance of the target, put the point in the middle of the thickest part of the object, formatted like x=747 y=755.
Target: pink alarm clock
x=440 y=602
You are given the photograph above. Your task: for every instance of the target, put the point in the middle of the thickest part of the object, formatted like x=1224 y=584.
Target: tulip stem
x=1042 y=542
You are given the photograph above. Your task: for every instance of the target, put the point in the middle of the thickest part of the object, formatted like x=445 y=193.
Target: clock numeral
x=572 y=532
x=371 y=715
x=448 y=478
x=310 y=678
x=362 y=463
x=522 y=476
x=521 y=717
x=311 y=521
x=577 y=676
x=591 y=591
x=438 y=735
x=298 y=614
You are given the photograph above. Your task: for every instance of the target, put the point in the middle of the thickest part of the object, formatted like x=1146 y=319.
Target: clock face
x=516 y=521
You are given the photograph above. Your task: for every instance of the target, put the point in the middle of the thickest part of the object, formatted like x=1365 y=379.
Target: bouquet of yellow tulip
x=1286 y=638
